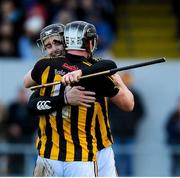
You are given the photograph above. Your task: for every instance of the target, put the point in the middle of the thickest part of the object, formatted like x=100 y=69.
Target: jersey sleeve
x=38 y=69
x=106 y=86
x=41 y=105
x=103 y=85
x=99 y=66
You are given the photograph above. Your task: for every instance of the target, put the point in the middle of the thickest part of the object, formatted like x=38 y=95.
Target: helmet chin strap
x=92 y=46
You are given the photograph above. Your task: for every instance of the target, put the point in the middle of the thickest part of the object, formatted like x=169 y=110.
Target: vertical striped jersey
x=69 y=133
x=102 y=128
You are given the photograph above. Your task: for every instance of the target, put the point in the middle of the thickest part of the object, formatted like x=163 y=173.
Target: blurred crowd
x=173 y=138
x=21 y=22
x=17 y=126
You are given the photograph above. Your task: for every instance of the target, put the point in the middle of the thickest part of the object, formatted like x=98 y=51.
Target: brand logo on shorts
x=43 y=105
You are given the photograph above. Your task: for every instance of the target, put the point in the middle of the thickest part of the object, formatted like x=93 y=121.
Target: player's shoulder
x=42 y=62
x=43 y=59
x=91 y=61
x=48 y=59
x=96 y=59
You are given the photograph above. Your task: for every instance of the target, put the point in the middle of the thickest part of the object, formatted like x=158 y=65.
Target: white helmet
x=78 y=34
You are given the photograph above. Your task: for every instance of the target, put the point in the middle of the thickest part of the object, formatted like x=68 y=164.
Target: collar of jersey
x=74 y=58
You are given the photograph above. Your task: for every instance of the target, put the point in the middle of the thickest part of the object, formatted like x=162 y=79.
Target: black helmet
x=78 y=34
x=50 y=30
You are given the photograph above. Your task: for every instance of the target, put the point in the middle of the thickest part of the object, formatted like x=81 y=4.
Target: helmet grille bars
x=77 y=34
x=50 y=30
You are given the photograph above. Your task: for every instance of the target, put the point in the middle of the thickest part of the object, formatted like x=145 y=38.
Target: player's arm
x=40 y=105
x=28 y=81
x=114 y=88
x=101 y=65
x=124 y=99
x=33 y=76
x=76 y=96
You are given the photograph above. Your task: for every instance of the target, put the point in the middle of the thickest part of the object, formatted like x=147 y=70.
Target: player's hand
x=71 y=77
x=78 y=96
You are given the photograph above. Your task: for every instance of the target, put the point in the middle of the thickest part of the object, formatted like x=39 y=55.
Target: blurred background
x=130 y=31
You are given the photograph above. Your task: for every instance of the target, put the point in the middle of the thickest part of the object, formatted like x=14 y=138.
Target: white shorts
x=54 y=168
x=106 y=163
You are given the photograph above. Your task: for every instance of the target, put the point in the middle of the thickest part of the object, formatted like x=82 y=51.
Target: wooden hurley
x=109 y=72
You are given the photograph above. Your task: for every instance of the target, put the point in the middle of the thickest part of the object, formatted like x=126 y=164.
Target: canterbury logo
x=43 y=105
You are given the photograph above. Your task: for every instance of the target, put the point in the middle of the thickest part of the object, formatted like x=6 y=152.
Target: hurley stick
x=109 y=72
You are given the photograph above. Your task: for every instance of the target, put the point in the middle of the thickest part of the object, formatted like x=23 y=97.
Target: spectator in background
x=36 y=18
x=28 y=17
x=71 y=5
x=8 y=45
x=105 y=35
x=33 y=15
x=9 y=11
x=109 y=9
x=124 y=129
x=85 y=8
x=27 y=43
x=6 y=48
x=20 y=127
x=3 y=157
x=3 y=115
x=27 y=4
x=53 y=7
x=173 y=139
x=11 y=17
x=64 y=16
x=67 y=12
x=91 y=11
x=37 y=10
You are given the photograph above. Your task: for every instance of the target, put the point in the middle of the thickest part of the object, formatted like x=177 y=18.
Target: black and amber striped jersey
x=102 y=128
x=69 y=133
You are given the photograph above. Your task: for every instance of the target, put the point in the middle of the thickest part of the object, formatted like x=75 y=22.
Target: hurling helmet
x=78 y=34
x=50 y=30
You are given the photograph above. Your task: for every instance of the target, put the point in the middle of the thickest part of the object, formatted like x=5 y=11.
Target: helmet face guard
x=48 y=31
x=78 y=35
